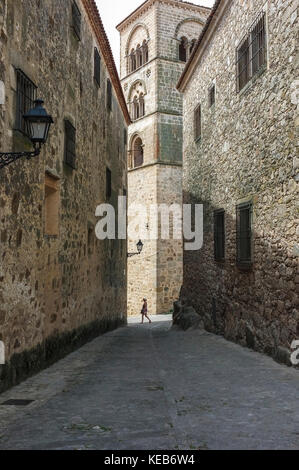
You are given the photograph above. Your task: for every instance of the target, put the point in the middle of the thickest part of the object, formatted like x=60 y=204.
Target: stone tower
x=156 y=41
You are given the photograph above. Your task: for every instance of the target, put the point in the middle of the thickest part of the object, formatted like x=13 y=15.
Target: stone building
x=240 y=162
x=59 y=284
x=156 y=41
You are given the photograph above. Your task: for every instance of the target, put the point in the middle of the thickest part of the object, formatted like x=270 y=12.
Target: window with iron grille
x=244 y=234
x=108 y=183
x=219 y=235
x=70 y=145
x=97 y=66
x=197 y=123
x=252 y=53
x=109 y=95
x=76 y=20
x=26 y=94
x=212 y=95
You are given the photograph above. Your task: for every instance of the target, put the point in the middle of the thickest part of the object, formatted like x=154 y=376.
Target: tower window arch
x=141 y=105
x=183 y=49
x=136 y=108
x=137 y=152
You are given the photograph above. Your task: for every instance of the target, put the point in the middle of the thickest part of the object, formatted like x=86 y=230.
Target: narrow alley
x=152 y=386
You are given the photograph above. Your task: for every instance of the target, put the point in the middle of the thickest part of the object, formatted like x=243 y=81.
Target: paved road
x=150 y=387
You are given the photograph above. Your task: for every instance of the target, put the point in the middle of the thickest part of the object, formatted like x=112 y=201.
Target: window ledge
x=245 y=266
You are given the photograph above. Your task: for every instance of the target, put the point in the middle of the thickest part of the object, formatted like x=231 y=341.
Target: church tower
x=156 y=41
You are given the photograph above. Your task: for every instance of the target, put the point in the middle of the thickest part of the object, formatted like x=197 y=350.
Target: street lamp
x=139 y=249
x=38 y=123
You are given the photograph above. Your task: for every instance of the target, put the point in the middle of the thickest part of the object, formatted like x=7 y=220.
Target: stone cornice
x=149 y=3
x=103 y=41
x=204 y=38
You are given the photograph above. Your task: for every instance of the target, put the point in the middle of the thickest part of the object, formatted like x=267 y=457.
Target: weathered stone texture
x=53 y=286
x=247 y=151
x=157 y=273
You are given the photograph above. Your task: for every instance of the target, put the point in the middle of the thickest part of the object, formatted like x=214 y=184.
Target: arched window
x=183 y=50
x=141 y=105
x=136 y=109
x=138 y=56
x=132 y=61
x=192 y=44
x=137 y=152
x=145 y=51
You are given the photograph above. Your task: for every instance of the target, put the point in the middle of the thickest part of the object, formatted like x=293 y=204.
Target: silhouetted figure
x=144 y=311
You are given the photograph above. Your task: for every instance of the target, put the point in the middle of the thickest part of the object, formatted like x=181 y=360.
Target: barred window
x=219 y=235
x=252 y=53
x=109 y=95
x=70 y=145
x=76 y=14
x=97 y=66
x=26 y=94
x=197 y=122
x=108 y=183
x=212 y=95
x=244 y=234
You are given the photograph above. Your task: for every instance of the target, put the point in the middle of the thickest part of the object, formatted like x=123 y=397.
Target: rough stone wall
x=56 y=290
x=157 y=273
x=247 y=152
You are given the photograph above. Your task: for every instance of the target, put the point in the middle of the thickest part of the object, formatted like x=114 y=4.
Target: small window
x=97 y=66
x=183 y=50
x=219 y=235
x=138 y=154
x=70 y=145
x=109 y=95
x=76 y=20
x=244 y=234
x=26 y=94
x=125 y=137
x=212 y=95
x=252 y=53
x=108 y=183
x=197 y=122
x=52 y=202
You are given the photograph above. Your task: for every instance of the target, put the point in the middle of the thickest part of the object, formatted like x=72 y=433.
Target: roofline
x=211 y=23
x=150 y=2
x=105 y=48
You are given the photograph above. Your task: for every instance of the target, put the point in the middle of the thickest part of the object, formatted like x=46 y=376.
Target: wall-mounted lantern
x=139 y=249
x=38 y=123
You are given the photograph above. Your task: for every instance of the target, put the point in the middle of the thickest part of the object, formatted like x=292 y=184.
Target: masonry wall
x=57 y=291
x=247 y=152
x=157 y=272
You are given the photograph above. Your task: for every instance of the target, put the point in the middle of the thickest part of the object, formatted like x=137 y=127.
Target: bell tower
x=156 y=41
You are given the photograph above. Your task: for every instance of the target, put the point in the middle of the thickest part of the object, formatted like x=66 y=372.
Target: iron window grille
x=252 y=52
x=212 y=95
x=97 y=66
x=197 y=122
x=109 y=95
x=244 y=234
x=70 y=145
x=219 y=235
x=76 y=14
x=26 y=95
x=108 y=183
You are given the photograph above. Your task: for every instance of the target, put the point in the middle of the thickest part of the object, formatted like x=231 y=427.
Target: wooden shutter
x=97 y=66
x=197 y=122
x=219 y=235
x=76 y=20
x=244 y=234
x=70 y=145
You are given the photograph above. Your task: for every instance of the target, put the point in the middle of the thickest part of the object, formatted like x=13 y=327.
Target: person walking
x=144 y=311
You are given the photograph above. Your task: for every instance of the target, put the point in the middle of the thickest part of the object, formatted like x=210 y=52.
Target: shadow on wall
x=257 y=307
